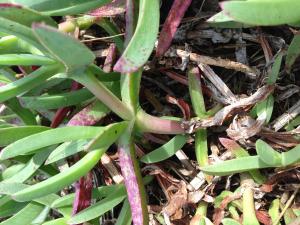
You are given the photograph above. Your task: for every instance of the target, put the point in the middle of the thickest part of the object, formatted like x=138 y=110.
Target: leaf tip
x=125 y=66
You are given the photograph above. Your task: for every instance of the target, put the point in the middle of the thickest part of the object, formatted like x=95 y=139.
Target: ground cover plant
x=149 y=112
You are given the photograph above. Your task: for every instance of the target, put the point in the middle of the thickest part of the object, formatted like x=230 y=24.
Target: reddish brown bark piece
x=171 y=24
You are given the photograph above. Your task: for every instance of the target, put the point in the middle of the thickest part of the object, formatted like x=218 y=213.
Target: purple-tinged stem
x=152 y=124
x=133 y=180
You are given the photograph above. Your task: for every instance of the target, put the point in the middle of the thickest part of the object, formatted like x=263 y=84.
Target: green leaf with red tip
x=254 y=11
x=142 y=43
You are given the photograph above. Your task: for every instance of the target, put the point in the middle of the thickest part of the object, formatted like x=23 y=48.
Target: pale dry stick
x=101 y=53
x=225 y=63
x=230 y=110
x=112 y=170
x=218 y=83
x=100 y=39
x=285 y=118
x=287 y=205
x=2 y=108
x=185 y=160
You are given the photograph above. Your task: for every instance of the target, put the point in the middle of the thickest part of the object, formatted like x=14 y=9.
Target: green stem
x=104 y=95
x=201 y=212
x=199 y=108
x=249 y=216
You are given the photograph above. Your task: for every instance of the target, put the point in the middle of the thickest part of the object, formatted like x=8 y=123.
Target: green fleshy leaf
x=56 y=101
x=81 y=56
x=105 y=138
x=100 y=207
x=165 y=151
x=235 y=166
x=26 y=215
x=267 y=153
x=148 y=22
x=23 y=15
x=60 y=8
x=293 y=52
x=279 y=12
x=11 y=134
x=47 y=138
x=228 y=221
x=223 y=21
x=61 y=180
x=27 y=83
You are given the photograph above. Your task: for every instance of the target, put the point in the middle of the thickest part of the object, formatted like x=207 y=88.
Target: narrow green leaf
x=23 y=15
x=148 y=22
x=165 y=151
x=66 y=149
x=61 y=180
x=60 y=8
x=30 y=168
x=56 y=101
x=9 y=189
x=293 y=52
x=125 y=214
x=97 y=193
x=100 y=207
x=105 y=138
x=279 y=12
x=42 y=216
x=25 y=115
x=27 y=83
x=12 y=134
x=274 y=210
x=47 y=138
x=21 y=31
x=267 y=154
x=265 y=108
x=11 y=171
x=223 y=21
x=228 y=221
x=291 y=156
x=60 y=221
x=275 y=69
x=25 y=60
x=240 y=152
x=235 y=166
x=81 y=56
x=10 y=208
x=26 y=215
